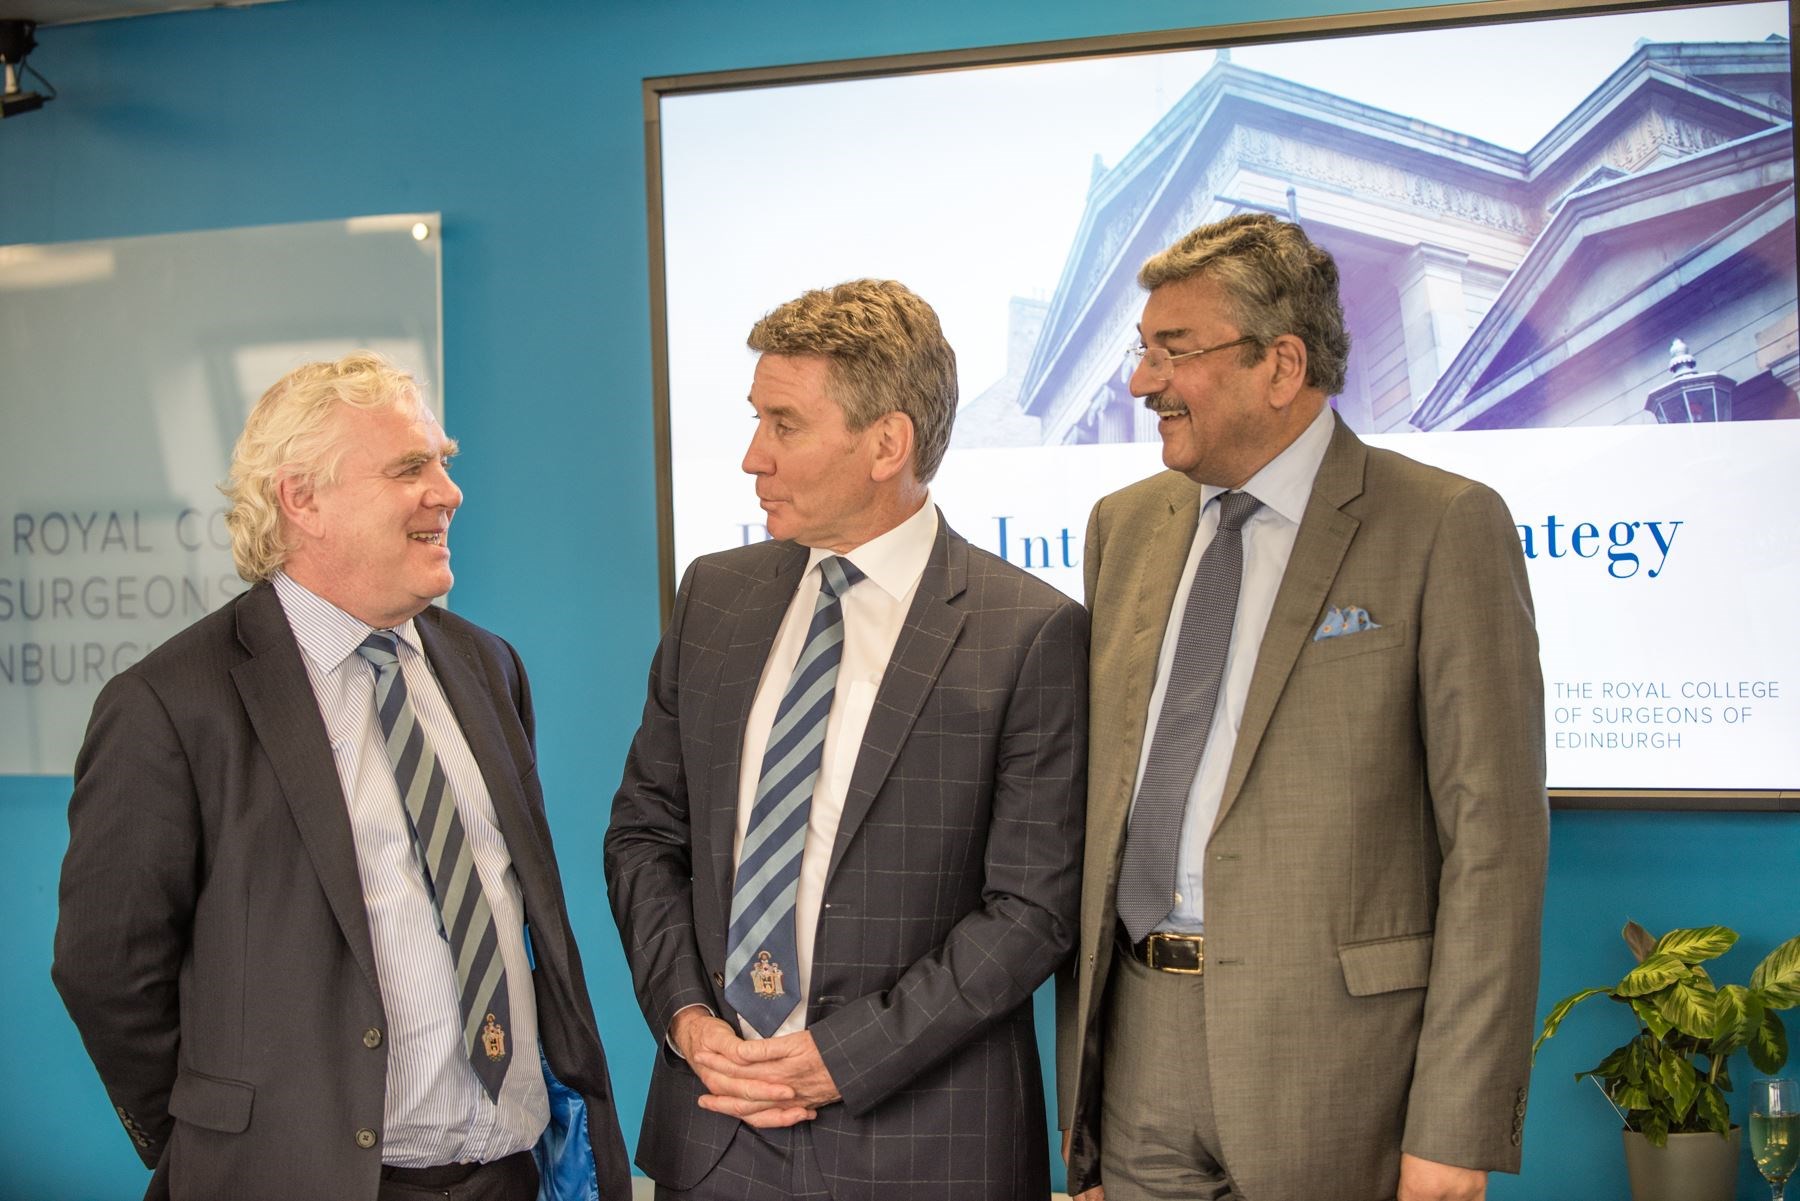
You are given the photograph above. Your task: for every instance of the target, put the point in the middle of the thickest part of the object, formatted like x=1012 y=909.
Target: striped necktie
x=448 y=864
x=1147 y=872
x=761 y=960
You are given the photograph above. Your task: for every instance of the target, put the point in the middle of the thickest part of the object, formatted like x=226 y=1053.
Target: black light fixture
x=17 y=41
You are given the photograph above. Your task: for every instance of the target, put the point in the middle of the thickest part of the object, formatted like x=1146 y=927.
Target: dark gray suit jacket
x=951 y=893
x=212 y=944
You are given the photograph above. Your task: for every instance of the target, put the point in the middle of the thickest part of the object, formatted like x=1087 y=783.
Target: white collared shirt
x=436 y=1110
x=874 y=611
x=1283 y=486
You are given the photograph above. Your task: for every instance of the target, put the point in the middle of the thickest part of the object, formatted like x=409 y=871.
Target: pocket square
x=1347 y=620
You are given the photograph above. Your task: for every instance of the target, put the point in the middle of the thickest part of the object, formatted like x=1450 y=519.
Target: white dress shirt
x=1283 y=486
x=874 y=611
x=436 y=1109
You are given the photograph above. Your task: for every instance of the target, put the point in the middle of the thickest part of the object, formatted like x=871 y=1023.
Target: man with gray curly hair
x=1316 y=820
x=311 y=928
x=845 y=849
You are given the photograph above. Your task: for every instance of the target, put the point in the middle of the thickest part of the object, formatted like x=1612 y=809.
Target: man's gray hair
x=1275 y=282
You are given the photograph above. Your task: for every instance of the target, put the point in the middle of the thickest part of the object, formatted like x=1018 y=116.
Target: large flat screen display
x=1568 y=258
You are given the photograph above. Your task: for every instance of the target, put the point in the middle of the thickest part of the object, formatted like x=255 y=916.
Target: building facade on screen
x=1636 y=265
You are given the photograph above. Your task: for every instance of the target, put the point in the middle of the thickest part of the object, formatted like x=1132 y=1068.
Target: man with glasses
x=847 y=844
x=1316 y=825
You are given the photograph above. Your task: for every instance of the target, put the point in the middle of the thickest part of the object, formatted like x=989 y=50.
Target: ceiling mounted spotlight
x=17 y=41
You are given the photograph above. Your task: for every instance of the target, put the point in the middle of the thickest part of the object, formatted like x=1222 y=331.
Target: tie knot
x=1235 y=509
x=381 y=649
x=838 y=574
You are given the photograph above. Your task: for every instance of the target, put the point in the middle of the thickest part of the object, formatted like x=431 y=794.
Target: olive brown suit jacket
x=1374 y=879
x=212 y=944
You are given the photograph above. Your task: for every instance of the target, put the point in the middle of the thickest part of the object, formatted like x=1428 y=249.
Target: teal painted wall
x=521 y=123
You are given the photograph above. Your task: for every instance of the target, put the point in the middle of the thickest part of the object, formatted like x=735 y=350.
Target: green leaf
x=1731 y=1018
x=1631 y=1096
x=1658 y=971
x=1613 y=1066
x=1777 y=978
x=1692 y=946
x=1723 y=1077
x=1739 y=1016
x=1712 y=1109
x=1690 y=1008
x=1769 y=1045
x=1559 y=1013
x=1656 y=1128
x=1651 y=1016
x=1640 y=940
x=1676 y=1075
x=1640 y=1058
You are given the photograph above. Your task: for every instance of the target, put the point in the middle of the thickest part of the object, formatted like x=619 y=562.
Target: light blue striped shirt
x=436 y=1110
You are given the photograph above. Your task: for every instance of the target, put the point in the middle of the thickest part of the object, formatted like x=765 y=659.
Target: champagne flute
x=1775 y=1131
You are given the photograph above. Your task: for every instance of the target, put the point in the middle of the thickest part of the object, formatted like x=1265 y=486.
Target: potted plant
x=1668 y=1083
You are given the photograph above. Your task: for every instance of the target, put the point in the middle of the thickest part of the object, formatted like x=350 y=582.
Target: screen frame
x=1291 y=29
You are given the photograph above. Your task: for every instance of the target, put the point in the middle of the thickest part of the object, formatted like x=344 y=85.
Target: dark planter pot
x=1693 y=1167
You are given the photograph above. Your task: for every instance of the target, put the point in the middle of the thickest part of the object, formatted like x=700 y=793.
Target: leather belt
x=1183 y=954
x=447 y=1175
x=440 y=1176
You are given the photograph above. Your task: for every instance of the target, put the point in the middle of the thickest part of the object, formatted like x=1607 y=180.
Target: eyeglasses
x=1161 y=364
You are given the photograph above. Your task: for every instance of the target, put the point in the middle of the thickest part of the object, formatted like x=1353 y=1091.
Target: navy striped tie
x=761 y=959
x=444 y=856
x=1147 y=872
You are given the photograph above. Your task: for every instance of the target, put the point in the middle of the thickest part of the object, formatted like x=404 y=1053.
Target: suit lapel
x=1319 y=548
x=1167 y=546
x=930 y=629
x=471 y=695
x=278 y=698
x=752 y=634
x=1162 y=550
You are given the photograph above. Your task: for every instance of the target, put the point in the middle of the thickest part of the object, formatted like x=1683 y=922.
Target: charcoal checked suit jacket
x=1374 y=879
x=951 y=892
x=212 y=944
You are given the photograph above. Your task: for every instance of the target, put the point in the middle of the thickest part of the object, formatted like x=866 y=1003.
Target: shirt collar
x=326 y=634
x=1285 y=483
x=895 y=560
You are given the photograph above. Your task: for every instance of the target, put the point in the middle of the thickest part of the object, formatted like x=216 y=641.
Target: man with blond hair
x=1316 y=825
x=311 y=927
x=846 y=847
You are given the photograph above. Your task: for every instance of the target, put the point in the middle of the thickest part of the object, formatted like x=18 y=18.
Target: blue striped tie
x=444 y=856
x=761 y=960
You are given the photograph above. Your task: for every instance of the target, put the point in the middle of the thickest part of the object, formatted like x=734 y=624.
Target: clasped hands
x=765 y=1082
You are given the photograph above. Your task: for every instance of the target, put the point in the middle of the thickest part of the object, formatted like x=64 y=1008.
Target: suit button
x=371 y=1038
x=719 y=979
x=365 y=1138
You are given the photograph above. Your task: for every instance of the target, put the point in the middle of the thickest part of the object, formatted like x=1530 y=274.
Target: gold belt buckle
x=1158 y=938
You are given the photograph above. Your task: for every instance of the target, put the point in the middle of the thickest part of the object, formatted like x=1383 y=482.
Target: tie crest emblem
x=765 y=976
x=493 y=1039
